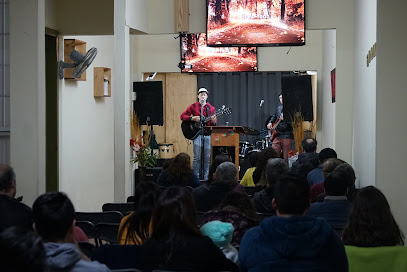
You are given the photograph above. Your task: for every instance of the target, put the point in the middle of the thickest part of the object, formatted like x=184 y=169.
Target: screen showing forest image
x=255 y=22
x=198 y=57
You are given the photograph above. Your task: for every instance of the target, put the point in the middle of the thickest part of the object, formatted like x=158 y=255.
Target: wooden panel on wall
x=181 y=8
x=181 y=91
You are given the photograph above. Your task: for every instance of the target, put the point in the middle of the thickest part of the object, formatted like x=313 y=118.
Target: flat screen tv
x=255 y=22
x=197 y=57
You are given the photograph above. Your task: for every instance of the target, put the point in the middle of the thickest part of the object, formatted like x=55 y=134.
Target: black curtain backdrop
x=243 y=92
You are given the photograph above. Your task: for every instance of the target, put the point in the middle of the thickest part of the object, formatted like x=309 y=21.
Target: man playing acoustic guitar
x=193 y=113
x=281 y=131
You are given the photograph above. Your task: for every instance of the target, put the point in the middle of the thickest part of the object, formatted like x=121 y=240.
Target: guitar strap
x=208 y=112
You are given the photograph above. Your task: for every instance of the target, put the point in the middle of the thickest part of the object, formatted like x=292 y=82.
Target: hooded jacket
x=297 y=243
x=67 y=257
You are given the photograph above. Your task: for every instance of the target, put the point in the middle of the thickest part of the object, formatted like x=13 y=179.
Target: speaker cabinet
x=148 y=103
x=297 y=97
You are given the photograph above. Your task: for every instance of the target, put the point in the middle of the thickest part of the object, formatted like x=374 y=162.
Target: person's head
x=336 y=184
x=54 y=217
x=371 y=223
x=226 y=173
x=259 y=175
x=291 y=196
x=276 y=169
x=253 y=157
x=327 y=153
x=349 y=174
x=221 y=233
x=7 y=180
x=280 y=97
x=202 y=94
x=240 y=202
x=309 y=144
x=174 y=213
x=21 y=251
x=138 y=223
x=179 y=172
x=215 y=163
x=329 y=166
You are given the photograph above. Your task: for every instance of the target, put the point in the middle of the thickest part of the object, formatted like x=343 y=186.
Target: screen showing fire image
x=255 y=22
x=198 y=57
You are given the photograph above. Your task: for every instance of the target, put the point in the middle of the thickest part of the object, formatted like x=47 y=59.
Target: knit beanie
x=221 y=233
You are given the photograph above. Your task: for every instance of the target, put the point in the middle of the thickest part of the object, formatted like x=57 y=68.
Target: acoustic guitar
x=191 y=129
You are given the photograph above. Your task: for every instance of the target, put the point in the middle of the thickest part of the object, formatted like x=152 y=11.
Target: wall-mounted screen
x=255 y=22
x=197 y=57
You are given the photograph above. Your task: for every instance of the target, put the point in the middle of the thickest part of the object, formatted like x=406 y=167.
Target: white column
x=121 y=93
x=27 y=83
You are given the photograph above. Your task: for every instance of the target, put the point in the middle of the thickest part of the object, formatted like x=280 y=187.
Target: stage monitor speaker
x=297 y=97
x=148 y=103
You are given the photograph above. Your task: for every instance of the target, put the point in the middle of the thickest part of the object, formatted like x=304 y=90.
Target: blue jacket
x=298 y=243
x=315 y=176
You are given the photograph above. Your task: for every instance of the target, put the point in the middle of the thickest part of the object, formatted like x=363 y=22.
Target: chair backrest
x=87 y=248
x=130 y=199
x=107 y=232
x=87 y=227
x=120 y=207
x=262 y=216
x=99 y=217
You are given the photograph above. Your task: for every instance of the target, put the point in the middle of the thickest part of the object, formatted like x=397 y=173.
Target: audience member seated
x=207 y=198
x=292 y=241
x=136 y=227
x=176 y=243
x=12 y=211
x=212 y=169
x=316 y=176
x=372 y=237
x=221 y=234
x=327 y=167
x=310 y=155
x=349 y=173
x=336 y=207
x=276 y=169
x=259 y=174
x=237 y=209
x=21 y=250
x=247 y=179
x=179 y=173
x=54 y=221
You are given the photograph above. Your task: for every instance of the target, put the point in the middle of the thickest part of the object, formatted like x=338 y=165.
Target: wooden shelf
x=69 y=46
x=99 y=74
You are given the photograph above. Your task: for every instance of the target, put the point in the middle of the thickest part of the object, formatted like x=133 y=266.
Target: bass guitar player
x=281 y=131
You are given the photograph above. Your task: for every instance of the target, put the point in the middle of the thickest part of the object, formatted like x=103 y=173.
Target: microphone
x=261 y=102
x=202 y=101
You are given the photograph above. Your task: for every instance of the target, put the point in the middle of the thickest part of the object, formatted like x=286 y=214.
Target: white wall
x=364 y=129
x=86 y=134
x=27 y=102
x=137 y=14
x=327 y=109
x=391 y=110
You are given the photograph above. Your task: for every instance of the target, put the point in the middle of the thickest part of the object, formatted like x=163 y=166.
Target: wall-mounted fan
x=81 y=62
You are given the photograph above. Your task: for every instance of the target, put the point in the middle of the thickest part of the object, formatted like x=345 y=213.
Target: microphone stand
x=201 y=173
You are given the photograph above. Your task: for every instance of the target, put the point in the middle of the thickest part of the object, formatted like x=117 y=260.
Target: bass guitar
x=191 y=129
x=273 y=129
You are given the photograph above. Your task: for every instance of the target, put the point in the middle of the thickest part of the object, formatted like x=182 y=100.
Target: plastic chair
x=87 y=248
x=120 y=207
x=130 y=199
x=99 y=217
x=263 y=215
x=106 y=232
x=87 y=227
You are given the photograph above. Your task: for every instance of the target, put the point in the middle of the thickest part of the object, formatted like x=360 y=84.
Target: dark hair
x=336 y=184
x=226 y=173
x=371 y=223
x=253 y=157
x=309 y=144
x=329 y=166
x=215 y=163
x=326 y=153
x=7 y=176
x=349 y=174
x=259 y=174
x=53 y=214
x=174 y=214
x=21 y=251
x=138 y=223
x=292 y=195
x=241 y=202
x=276 y=169
x=179 y=172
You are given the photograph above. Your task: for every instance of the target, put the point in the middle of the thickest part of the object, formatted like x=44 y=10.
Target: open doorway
x=51 y=98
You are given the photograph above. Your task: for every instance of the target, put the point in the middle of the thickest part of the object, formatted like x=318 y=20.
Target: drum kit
x=245 y=147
